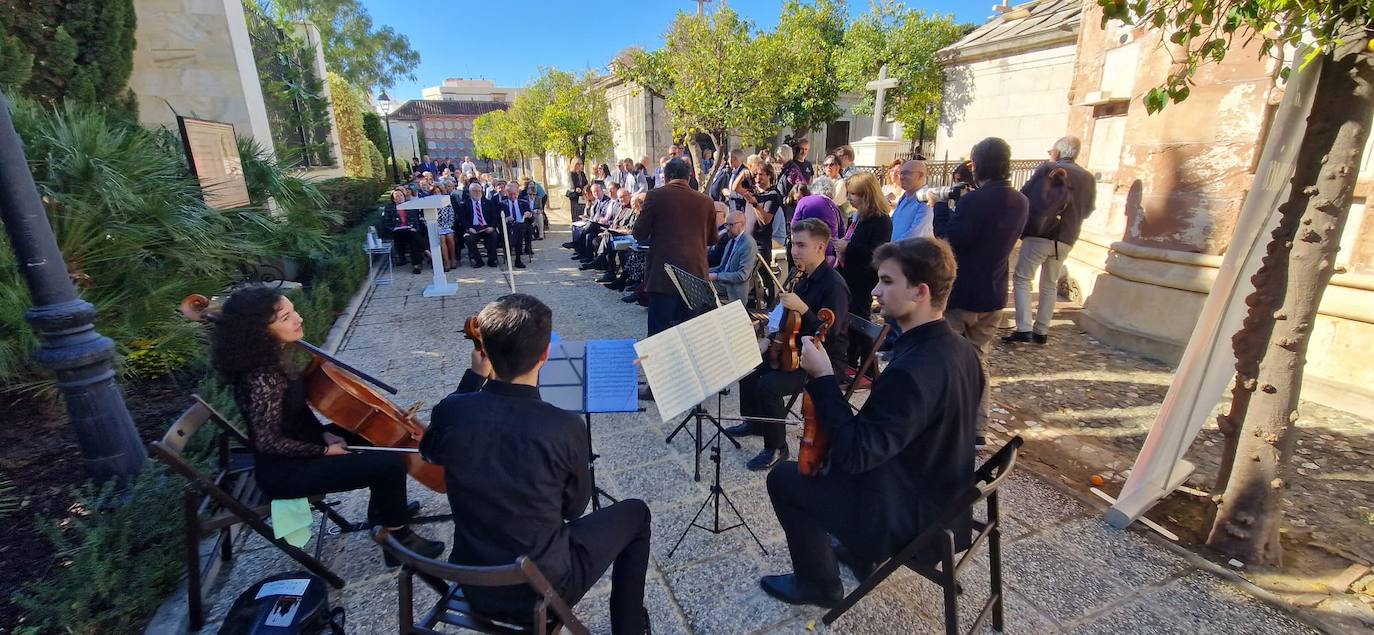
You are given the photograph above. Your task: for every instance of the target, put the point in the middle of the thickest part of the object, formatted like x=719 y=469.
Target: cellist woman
x=295 y=456
x=763 y=392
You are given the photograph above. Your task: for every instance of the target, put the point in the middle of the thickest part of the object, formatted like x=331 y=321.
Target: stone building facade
x=195 y=58
x=1009 y=79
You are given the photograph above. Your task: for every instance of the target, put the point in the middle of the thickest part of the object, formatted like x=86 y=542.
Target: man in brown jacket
x=679 y=223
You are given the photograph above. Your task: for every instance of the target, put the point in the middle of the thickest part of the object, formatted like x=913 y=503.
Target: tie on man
x=478 y=219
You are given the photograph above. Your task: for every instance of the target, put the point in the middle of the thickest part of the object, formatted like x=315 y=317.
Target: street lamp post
x=384 y=101
x=921 y=145
x=70 y=347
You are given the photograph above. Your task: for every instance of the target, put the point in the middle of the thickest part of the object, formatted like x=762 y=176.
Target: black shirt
x=771 y=202
x=516 y=469
x=824 y=288
x=909 y=451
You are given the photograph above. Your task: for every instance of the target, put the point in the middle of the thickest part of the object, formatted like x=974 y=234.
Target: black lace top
x=280 y=422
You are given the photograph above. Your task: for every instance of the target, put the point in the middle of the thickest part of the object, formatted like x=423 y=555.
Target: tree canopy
x=576 y=119
x=906 y=40
x=80 y=51
x=366 y=55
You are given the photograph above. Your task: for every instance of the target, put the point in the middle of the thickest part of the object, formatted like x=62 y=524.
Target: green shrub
x=379 y=171
x=118 y=558
x=352 y=197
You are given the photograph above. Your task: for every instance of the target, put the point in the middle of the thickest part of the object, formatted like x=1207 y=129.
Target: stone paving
x=1065 y=570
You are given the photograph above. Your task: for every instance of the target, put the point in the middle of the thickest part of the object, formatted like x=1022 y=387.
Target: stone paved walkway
x=1065 y=570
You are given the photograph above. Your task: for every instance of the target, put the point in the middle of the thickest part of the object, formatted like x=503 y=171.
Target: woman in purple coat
x=819 y=205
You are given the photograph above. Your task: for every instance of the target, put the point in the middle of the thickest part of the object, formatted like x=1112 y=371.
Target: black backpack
x=1048 y=202
x=289 y=603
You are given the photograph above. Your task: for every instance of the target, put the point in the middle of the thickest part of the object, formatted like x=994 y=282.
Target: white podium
x=430 y=205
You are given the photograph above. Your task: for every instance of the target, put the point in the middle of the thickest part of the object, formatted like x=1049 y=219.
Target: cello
x=338 y=392
x=814 y=442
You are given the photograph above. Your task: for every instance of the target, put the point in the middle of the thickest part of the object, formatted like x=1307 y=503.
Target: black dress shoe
x=493 y=263
x=767 y=459
x=618 y=285
x=1040 y=339
x=607 y=278
x=477 y=264
x=1018 y=337
x=414 y=542
x=744 y=429
x=629 y=297
x=519 y=264
x=793 y=590
x=586 y=265
x=415 y=269
x=567 y=245
x=858 y=566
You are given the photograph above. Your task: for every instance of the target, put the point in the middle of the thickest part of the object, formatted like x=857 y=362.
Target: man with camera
x=982 y=230
x=1062 y=194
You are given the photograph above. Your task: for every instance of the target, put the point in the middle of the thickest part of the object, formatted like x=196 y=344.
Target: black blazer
x=463 y=214
x=982 y=230
x=503 y=204
x=909 y=450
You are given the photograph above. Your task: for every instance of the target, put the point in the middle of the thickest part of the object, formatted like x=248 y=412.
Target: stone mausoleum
x=1170 y=186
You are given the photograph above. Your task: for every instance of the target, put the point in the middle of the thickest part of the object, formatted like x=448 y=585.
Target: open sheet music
x=695 y=359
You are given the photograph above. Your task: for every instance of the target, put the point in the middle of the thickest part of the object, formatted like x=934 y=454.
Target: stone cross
x=880 y=86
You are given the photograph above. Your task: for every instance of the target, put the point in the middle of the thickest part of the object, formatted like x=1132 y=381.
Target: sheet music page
x=670 y=373
x=737 y=332
x=707 y=350
x=612 y=379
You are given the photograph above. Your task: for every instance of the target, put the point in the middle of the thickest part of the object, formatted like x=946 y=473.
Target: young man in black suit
x=479 y=219
x=518 y=476
x=894 y=467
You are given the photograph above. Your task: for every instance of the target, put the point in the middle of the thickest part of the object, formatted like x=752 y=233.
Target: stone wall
x=194 y=58
x=1170 y=188
x=1019 y=97
x=640 y=123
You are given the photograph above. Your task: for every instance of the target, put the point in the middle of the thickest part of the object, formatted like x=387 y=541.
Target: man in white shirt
x=468 y=167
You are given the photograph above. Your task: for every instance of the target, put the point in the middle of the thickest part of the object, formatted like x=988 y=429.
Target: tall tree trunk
x=1248 y=520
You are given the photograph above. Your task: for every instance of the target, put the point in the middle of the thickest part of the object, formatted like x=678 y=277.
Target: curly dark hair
x=240 y=341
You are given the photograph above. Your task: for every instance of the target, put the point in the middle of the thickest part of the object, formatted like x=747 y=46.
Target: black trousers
x=519 y=234
x=383 y=473
x=489 y=239
x=666 y=310
x=763 y=393
x=811 y=509
x=615 y=536
x=587 y=247
x=408 y=244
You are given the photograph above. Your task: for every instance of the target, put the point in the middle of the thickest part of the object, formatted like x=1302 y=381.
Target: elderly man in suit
x=479 y=218
x=680 y=222
x=735 y=274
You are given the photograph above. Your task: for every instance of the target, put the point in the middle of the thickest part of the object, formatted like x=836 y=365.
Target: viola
x=343 y=395
x=783 y=351
x=814 y=443
x=473 y=332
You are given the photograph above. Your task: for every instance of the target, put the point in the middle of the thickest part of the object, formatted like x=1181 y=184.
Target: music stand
x=565 y=381
x=700 y=296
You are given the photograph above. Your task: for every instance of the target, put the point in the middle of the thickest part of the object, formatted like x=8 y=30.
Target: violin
x=814 y=442
x=339 y=393
x=473 y=332
x=783 y=351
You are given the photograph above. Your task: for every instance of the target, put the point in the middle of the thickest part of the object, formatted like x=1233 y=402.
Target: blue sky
x=508 y=40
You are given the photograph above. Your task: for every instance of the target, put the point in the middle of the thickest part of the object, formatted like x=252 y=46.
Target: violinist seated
x=518 y=477
x=763 y=392
x=895 y=466
x=479 y=219
x=294 y=456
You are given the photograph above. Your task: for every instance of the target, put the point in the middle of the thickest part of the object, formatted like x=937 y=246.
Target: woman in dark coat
x=872 y=228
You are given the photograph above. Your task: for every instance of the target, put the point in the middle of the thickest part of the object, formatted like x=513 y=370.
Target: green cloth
x=291 y=519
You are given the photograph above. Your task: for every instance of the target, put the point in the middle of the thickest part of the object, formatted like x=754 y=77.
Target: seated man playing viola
x=894 y=467
x=519 y=478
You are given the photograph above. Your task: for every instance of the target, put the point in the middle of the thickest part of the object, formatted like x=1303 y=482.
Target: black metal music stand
x=717 y=492
x=700 y=296
x=563 y=383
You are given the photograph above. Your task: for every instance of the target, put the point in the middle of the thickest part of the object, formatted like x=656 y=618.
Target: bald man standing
x=912 y=217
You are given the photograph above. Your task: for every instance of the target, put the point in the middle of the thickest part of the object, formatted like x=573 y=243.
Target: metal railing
x=941 y=173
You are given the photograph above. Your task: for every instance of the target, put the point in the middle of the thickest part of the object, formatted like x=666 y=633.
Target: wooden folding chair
x=548 y=614
x=216 y=504
x=986 y=481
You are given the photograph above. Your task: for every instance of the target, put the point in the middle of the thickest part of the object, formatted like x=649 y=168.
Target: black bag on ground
x=1047 y=205
x=296 y=602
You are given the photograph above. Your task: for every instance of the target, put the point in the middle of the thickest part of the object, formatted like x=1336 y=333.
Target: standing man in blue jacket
x=982 y=230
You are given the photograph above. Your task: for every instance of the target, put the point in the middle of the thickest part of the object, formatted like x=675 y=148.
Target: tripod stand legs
x=717 y=494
